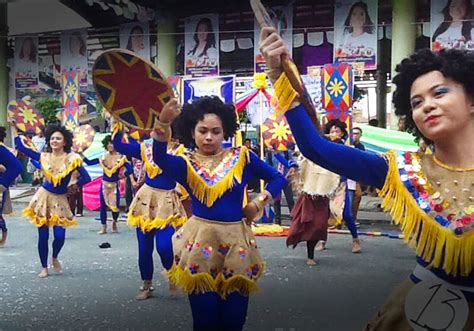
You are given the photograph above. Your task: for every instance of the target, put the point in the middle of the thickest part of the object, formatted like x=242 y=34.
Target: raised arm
x=130 y=148
x=84 y=177
x=364 y=167
x=128 y=169
x=286 y=163
x=173 y=166
x=27 y=150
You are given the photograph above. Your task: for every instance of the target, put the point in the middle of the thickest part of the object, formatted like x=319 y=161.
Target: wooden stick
x=264 y=20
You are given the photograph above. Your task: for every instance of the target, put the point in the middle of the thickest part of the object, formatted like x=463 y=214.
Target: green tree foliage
x=49 y=108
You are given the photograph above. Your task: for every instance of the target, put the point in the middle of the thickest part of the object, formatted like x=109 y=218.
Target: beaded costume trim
x=444 y=240
x=110 y=171
x=146 y=151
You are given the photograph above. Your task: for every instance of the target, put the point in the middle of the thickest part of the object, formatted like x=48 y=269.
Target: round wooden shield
x=83 y=136
x=131 y=88
x=27 y=118
x=277 y=134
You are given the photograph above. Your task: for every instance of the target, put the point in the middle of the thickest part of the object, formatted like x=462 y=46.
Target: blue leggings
x=103 y=207
x=58 y=242
x=212 y=313
x=3 y=224
x=347 y=213
x=164 y=246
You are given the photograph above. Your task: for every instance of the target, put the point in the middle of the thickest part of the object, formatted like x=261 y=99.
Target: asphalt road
x=97 y=287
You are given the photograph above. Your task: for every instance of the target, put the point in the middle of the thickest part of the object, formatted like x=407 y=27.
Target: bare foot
x=103 y=231
x=143 y=295
x=114 y=227
x=321 y=247
x=4 y=239
x=44 y=273
x=173 y=289
x=311 y=262
x=56 y=265
x=356 y=246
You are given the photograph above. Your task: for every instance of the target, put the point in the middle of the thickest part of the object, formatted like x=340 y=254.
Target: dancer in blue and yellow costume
x=156 y=210
x=112 y=163
x=49 y=207
x=431 y=196
x=217 y=262
x=10 y=168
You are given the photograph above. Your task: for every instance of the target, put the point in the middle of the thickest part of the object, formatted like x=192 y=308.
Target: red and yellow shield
x=27 y=118
x=132 y=89
x=277 y=134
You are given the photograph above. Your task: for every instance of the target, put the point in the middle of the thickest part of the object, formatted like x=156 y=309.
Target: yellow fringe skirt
x=49 y=209
x=153 y=208
x=212 y=256
x=392 y=314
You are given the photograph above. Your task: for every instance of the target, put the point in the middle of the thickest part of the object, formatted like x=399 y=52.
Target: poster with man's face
x=74 y=53
x=452 y=24
x=201 y=45
x=26 y=62
x=136 y=38
x=355 y=32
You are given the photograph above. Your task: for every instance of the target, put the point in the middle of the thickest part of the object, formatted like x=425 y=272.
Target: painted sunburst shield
x=277 y=134
x=27 y=118
x=131 y=88
x=83 y=136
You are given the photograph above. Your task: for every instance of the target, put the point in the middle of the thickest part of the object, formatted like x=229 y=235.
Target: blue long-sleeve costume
x=58 y=188
x=210 y=311
x=110 y=178
x=162 y=236
x=364 y=167
x=12 y=169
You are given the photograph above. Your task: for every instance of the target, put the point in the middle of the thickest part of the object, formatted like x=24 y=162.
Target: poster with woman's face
x=355 y=32
x=452 y=24
x=136 y=38
x=74 y=53
x=26 y=62
x=201 y=45
x=282 y=18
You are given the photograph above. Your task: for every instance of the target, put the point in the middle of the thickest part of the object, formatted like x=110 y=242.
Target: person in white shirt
x=456 y=29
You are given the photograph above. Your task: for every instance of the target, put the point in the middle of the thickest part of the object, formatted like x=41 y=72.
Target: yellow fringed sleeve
x=435 y=244
x=284 y=95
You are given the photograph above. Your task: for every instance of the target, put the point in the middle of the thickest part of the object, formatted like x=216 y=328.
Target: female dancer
x=156 y=211
x=432 y=196
x=111 y=163
x=10 y=168
x=49 y=206
x=216 y=257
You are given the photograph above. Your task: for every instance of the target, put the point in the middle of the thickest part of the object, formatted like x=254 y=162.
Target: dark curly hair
x=194 y=112
x=454 y=64
x=66 y=134
x=106 y=140
x=337 y=123
x=3 y=133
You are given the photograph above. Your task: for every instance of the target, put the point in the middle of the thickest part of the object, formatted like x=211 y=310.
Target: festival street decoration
x=83 y=136
x=277 y=134
x=26 y=117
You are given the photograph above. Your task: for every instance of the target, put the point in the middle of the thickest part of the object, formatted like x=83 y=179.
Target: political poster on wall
x=26 y=62
x=136 y=38
x=452 y=24
x=283 y=20
x=355 y=32
x=201 y=42
x=74 y=53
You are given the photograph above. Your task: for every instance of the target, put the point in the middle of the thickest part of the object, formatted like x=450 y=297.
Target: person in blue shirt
x=112 y=163
x=217 y=261
x=430 y=195
x=156 y=210
x=49 y=207
x=10 y=168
